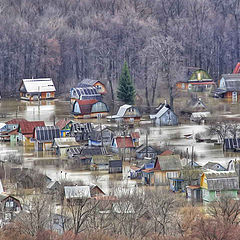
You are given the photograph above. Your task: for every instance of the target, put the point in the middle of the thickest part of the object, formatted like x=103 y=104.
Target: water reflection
x=58 y=169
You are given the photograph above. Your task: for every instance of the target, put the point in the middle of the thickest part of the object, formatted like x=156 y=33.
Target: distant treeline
x=69 y=40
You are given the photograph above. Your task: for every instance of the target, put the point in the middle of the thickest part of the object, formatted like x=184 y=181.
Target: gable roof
x=65 y=142
x=87 y=82
x=46 y=133
x=16 y=121
x=62 y=123
x=135 y=135
x=142 y=148
x=196 y=102
x=39 y=85
x=28 y=127
x=168 y=163
x=167 y=153
x=77 y=192
x=232 y=82
x=222 y=180
x=214 y=166
x=81 y=127
x=124 y=142
x=160 y=113
x=122 y=110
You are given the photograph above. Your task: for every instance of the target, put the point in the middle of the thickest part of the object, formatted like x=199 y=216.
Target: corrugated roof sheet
x=77 y=192
x=16 y=121
x=123 y=142
x=47 y=133
x=87 y=151
x=86 y=90
x=159 y=113
x=62 y=123
x=65 y=142
x=89 y=82
x=232 y=82
x=28 y=127
x=39 y=85
x=168 y=163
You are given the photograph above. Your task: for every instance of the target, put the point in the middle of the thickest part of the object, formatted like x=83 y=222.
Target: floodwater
x=54 y=167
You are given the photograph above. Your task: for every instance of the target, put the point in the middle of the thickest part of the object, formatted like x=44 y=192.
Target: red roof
x=86 y=105
x=167 y=153
x=193 y=187
x=203 y=83
x=62 y=123
x=149 y=170
x=86 y=102
x=28 y=127
x=237 y=69
x=124 y=142
x=135 y=135
x=16 y=121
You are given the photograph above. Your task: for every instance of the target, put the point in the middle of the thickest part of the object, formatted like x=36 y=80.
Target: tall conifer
x=126 y=91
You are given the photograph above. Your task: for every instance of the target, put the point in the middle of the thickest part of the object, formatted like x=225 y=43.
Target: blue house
x=165 y=116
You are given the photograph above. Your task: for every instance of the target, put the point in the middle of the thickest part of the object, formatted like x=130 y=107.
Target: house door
x=234 y=96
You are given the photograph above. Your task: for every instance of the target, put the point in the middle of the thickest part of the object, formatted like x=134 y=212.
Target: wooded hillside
x=69 y=40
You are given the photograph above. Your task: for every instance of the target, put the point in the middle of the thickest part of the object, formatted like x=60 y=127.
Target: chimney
x=165 y=102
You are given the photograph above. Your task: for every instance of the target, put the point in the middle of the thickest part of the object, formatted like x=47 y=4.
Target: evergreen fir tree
x=126 y=92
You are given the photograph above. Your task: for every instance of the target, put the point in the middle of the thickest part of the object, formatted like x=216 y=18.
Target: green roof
x=200 y=74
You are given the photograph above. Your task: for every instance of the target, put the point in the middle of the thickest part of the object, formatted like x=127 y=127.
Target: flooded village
x=78 y=153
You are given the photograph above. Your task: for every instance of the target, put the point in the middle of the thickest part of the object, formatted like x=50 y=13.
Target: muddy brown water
x=49 y=164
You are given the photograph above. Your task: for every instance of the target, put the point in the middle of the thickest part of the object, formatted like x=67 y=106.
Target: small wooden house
x=198 y=81
x=101 y=137
x=127 y=113
x=84 y=93
x=217 y=184
x=122 y=144
x=91 y=108
x=61 y=145
x=214 y=166
x=26 y=131
x=145 y=151
x=9 y=207
x=165 y=167
x=101 y=88
x=231 y=144
x=196 y=105
x=65 y=126
x=229 y=87
x=37 y=89
x=115 y=166
x=199 y=116
x=44 y=137
x=165 y=116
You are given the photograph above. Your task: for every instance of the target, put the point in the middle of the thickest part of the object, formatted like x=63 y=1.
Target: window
x=48 y=95
x=218 y=193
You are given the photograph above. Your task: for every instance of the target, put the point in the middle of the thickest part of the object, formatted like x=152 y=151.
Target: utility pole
x=192 y=156
x=147 y=143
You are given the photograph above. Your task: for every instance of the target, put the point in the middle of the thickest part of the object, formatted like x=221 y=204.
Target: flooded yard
x=54 y=167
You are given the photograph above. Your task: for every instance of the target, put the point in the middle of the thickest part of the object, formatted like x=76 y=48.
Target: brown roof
x=124 y=142
x=27 y=128
x=62 y=123
x=16 y=121
x=86 y=105
x=167 y=153
x=193 y=187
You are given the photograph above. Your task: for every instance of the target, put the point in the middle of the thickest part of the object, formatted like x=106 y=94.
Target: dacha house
x=37 y=89
x=199 y=81
x=127 y=113
x=217 y=184
x=229 y=87
x=165 y=116
x=91 y=108
x=101 y=88
x=64 y=126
